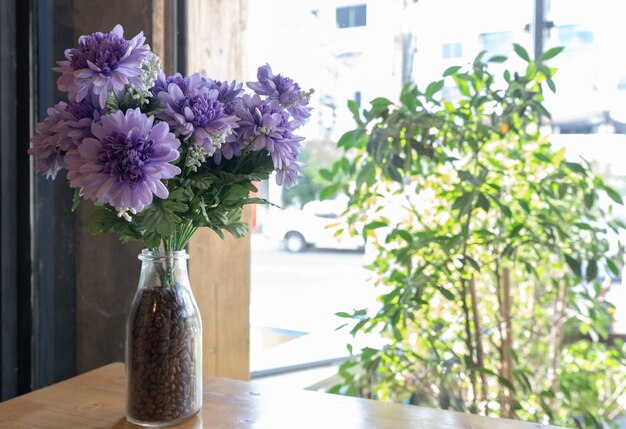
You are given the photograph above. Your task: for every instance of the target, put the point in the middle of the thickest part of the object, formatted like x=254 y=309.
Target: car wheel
x=294 y=242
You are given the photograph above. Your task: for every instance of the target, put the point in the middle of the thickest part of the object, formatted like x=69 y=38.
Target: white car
x=312 y=226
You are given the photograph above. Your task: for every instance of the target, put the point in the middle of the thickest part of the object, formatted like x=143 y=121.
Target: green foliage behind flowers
x=491 y=253
x=213 y=196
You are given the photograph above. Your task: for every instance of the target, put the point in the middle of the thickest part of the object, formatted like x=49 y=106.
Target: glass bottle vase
x=163 y=344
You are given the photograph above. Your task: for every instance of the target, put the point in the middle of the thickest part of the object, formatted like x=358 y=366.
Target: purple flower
x=229 y=149
x=66 y=125
x=288 y=175
x=125 y=160
x=195 y=111
x=103 y=62
x=283 y=89
x=265 y=125
x=49 y=144
x=229 y=94
x=162 y=82
x=80 y=116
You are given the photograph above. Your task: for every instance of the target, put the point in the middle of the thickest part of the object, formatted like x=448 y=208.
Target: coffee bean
x=162 y=366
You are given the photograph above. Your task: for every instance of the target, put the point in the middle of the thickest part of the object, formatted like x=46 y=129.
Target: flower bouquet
x=161 y=156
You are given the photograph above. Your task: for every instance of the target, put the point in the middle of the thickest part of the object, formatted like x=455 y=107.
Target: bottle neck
x=163 y=269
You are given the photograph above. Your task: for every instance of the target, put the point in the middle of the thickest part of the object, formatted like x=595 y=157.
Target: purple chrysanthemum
x=288 y=175
x=229 y=149
x=162 y=82
x=125 y=161
x=80 y=115
x=66 y=125
x=283 y=89
x=265 y=125
x=49 y=141
x=196 y=112
x=229 y=94
x=103 y=62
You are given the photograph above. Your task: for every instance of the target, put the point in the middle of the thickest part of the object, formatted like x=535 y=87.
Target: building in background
x=359 y=50
x=591 y=77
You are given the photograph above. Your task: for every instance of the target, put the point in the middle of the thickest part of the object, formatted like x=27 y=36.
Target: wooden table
x=96 y=400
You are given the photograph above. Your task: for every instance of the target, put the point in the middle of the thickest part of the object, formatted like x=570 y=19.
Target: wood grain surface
x=96 y=400
x=219 y=269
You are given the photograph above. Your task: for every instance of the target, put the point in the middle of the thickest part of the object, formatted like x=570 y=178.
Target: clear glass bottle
x=163 y=344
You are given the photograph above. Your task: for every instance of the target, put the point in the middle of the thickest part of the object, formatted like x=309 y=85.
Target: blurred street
x=294 y=298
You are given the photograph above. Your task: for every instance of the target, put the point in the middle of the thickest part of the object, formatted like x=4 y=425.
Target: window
x=500 y=43
x=351 y=16
x=577 y=40
x=357 y=98
x=574 y=33
x=452 y=50
x=347 y=63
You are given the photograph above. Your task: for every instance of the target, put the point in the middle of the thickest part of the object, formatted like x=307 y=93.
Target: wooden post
x=220 y=270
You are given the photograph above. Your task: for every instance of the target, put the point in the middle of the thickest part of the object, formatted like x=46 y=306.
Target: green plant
x=492 y=253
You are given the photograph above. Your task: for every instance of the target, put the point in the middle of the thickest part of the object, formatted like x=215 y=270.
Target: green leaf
x=344 y=165
x=202 y=181
x=237 y=229
x=503 y=381
x=498 y=59
x=367 y=174
x=105 y=220
x=463 y=87
x=451 y=71
x=375 y=225
x=351 y=138
x=354 y=108
x=559 y=155
x=237 y=192
x=540 y=156
x=113 y=102
x=408 y=96
x=162 y=216
x=574 y=264
x=101 y=221
x=76 y=199
x=612 y=267
x=592 y=270
x=405 y=235
x=522 y=379
x=469 y=260
x=330 y=191
x=612 y=193
x=521 y=52
x=151 y=240
x=576 y=167
x=433 y=88
x=463 y=203
x=551 y=53
x=381 y=102
x=551 y=84
x=344 y=315
x=531 y=70
x=326 y=174
x=446 y=293
x=483 y=202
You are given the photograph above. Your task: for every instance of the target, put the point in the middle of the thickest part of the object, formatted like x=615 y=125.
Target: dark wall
x=9 y=332
x=52 y=229
x=64 y=294
x=19 y=355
